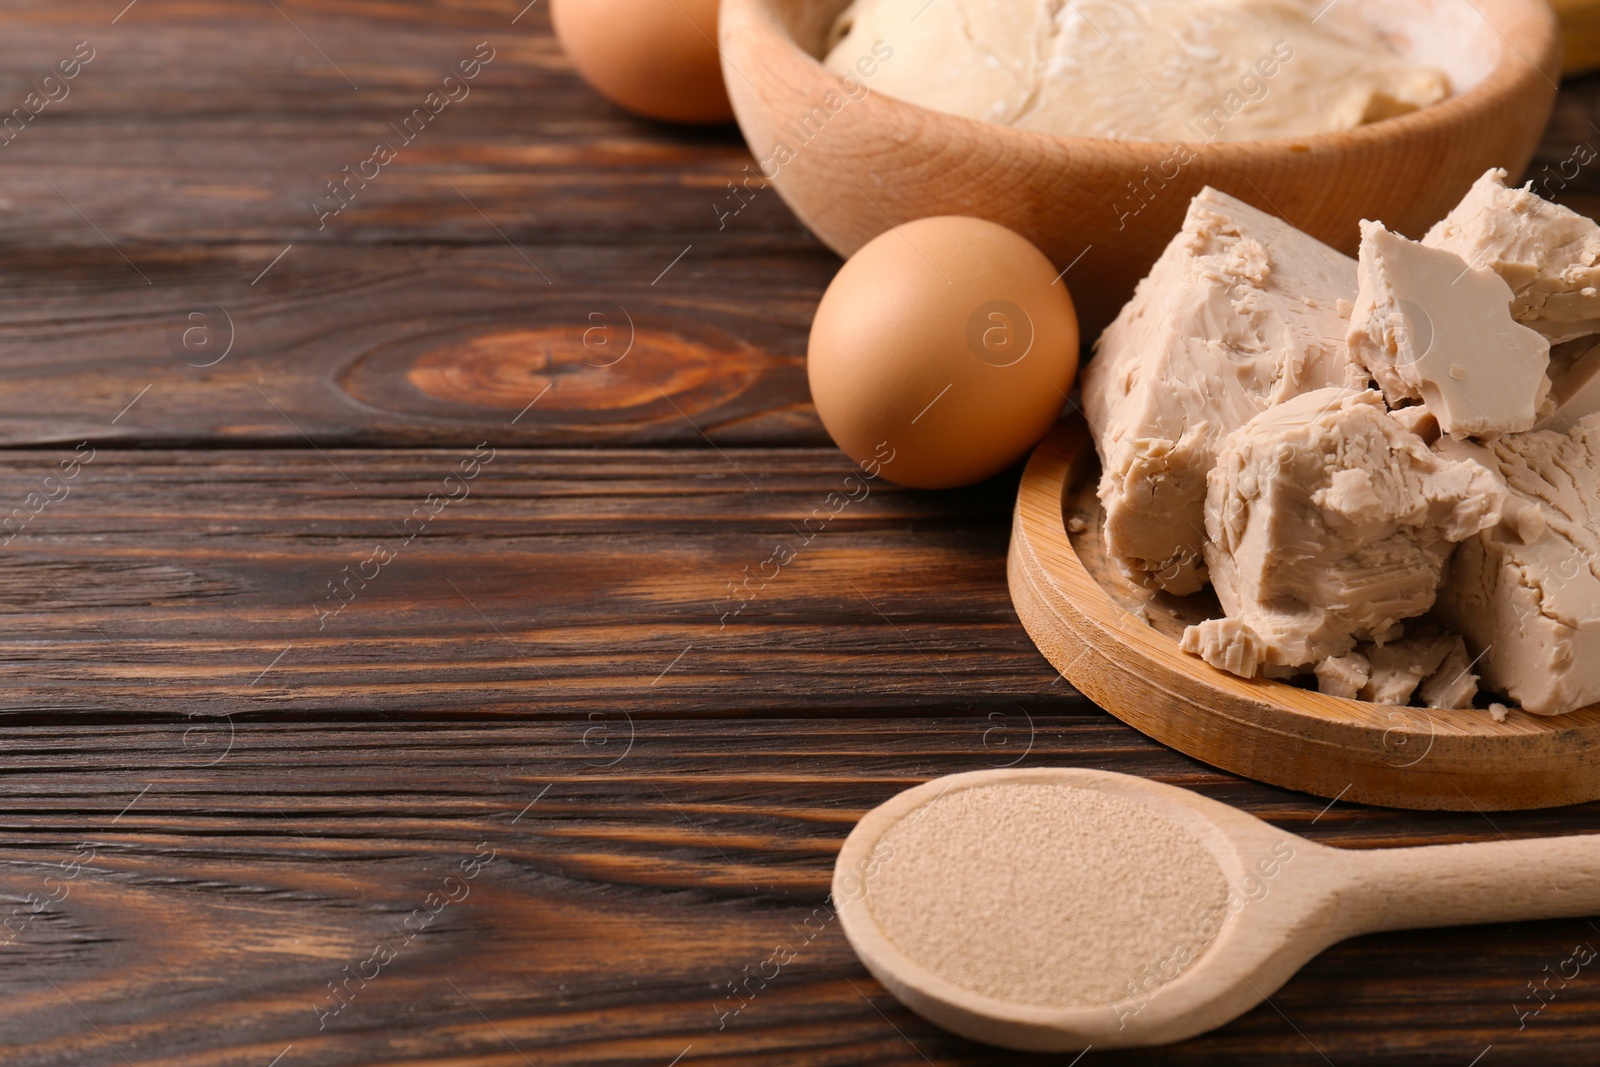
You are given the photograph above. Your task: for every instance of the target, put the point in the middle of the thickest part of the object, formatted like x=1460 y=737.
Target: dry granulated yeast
x=1048 y=895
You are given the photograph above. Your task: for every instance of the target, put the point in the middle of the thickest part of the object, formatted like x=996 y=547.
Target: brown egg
x=656 y=58
x=942 y=352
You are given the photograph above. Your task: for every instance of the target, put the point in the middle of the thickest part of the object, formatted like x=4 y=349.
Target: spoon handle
x=1498 y=881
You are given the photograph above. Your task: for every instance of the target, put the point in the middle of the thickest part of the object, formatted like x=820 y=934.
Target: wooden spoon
x=1289 y=899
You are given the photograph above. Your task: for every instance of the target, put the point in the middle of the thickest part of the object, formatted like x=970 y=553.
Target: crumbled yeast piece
x=1548 y=254
x=1343 y=676
x=1431 y=666
x=1227 y=644
x=1398 y=668
x=1453 y=685
x=1328 y=523
x=1240 y=313
x=1526 y=593
x=1429 y=327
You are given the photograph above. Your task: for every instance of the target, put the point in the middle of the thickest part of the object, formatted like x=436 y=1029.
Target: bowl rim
x=1537 y=36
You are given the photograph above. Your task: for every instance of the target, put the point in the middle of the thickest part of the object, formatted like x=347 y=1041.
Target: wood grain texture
x=1118 y=643
x=852 y=168
x=396 y=344
x=555 y=583
x=385 y=748
x=223 y=122
x=527 y=237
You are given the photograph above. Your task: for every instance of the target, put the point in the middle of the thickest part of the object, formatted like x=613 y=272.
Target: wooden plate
x=1118 y=644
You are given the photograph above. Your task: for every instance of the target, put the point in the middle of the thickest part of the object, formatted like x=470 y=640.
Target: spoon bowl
x=1287 y=899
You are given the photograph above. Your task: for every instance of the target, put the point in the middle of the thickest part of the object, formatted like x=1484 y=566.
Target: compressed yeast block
x=1328 y=524
x=1547 y=254
x=1430 y=327
x=1526 y=593
x=1241 y=312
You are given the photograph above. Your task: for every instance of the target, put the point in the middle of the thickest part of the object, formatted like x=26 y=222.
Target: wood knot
x=606 y=365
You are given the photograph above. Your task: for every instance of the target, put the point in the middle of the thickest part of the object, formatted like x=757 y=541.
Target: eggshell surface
x=946 y=344
x=656 y=58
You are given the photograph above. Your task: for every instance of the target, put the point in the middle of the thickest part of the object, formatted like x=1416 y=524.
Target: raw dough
x=1146 y=70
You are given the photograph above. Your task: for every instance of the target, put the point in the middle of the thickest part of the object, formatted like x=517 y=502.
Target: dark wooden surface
x=215 y=798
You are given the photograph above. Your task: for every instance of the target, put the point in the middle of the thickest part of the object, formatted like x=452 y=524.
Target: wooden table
x=395 y=668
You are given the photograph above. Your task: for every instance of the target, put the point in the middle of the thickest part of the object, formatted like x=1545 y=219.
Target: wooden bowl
x=1117 y=643
x=854 y=168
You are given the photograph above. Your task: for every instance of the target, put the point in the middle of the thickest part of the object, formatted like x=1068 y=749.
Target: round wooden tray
x=1117 y=643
